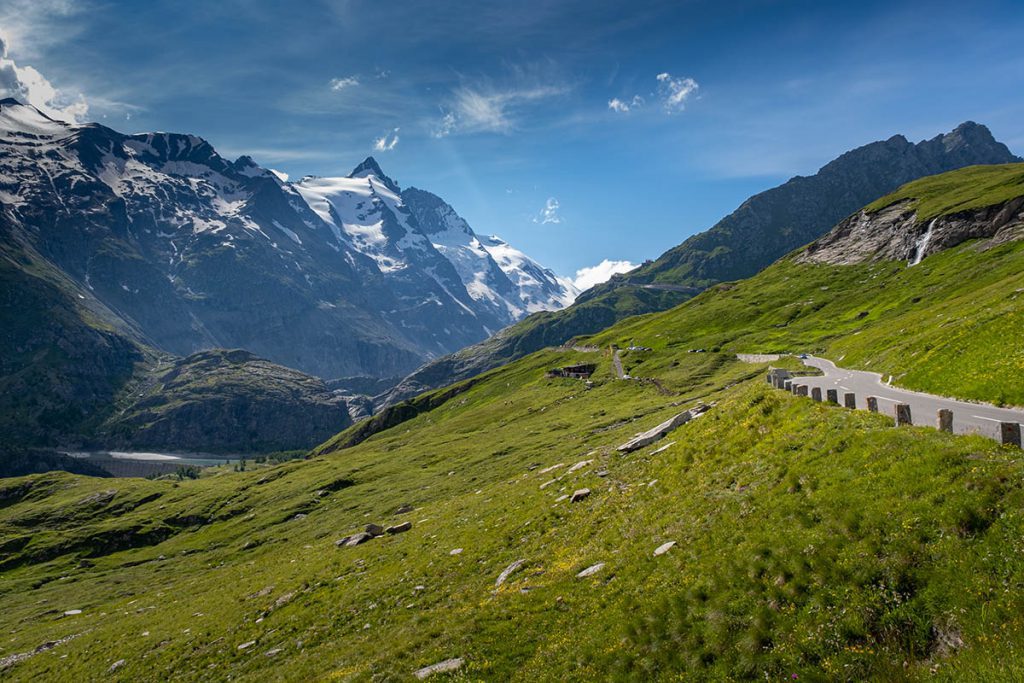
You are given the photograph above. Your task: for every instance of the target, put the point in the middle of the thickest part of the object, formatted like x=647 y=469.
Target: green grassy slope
x=950 y=325
x=811 y=540
x=973 y=187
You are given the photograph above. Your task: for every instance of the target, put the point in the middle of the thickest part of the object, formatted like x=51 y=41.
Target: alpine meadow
x=743 y=402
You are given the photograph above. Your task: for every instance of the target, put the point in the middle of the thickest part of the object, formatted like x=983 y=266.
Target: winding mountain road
x=980 y=418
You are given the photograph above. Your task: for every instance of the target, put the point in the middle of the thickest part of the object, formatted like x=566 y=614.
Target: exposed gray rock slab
x=446 y=666
x=659 y=432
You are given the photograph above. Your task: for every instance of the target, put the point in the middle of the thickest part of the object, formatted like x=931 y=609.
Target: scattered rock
x=591 y=570
x=273 y=652
x=455 y=551
x=579 y=495
x=374 y=529
x=403 y=509
x=548 y=483
x=657 y=433
x=299 y=516
x=578 y=466
x=356 y=539
x=663 y=448
x=664 y=548
x=342 y=541
x=399 y=528
x=551 y=469
x=115 y=666
x=446 y=666
x=561 y=497
x=72 y=612
x=603 y=473
x=246 y=645
x=509 y=570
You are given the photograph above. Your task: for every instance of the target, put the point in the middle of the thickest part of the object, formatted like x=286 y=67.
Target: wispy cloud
x=339 y=84
x=549 y=214
x=602 y=272
x=475 y=110
x=621 y=106
x=28 y=85
x=386 y=142
x=672 y=93
x=675 y=91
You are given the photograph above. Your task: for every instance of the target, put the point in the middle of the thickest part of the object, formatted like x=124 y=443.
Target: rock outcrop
x=896 y=233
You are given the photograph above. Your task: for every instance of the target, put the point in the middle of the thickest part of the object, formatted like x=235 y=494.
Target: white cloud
x=549 y=214
x=386 y=142
x=675 y=91
x=26 y=84
x=602 y=272
x=473 y=110
x=445 y=126
x=615 y=104
x=338 y=84
x=672 y=93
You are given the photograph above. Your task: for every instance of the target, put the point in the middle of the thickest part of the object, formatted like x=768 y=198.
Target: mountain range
x=762 y=229
x=153 y=245
x=331 y=276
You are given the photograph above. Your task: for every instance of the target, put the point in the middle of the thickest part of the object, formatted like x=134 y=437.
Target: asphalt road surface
x=979 y=418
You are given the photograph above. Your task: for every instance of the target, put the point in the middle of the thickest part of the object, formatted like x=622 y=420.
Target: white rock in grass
x=551 y=469
x=72 y=612
x=664 y=548
x=247 y=645
x=509 y=570
x=591 y=570
x=446 y=666
x=578 y=466
x=455 y=551
x=579 y=495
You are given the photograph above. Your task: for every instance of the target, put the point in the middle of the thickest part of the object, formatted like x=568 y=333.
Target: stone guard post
x=1009 y=433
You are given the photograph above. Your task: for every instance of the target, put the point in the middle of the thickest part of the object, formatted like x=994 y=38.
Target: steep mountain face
x=494 y=273
x=904 y=228
x=330 y=276
x=764 y=228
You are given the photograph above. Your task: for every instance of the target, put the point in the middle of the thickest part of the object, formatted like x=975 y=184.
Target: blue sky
x=578 y=130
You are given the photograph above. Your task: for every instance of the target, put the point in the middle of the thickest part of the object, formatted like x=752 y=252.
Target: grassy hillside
x=810 y=540
x=973 y=187
x=950 y=325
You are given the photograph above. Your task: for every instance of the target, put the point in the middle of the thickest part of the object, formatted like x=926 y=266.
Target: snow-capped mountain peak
x=370 y=168
x=490 y=268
